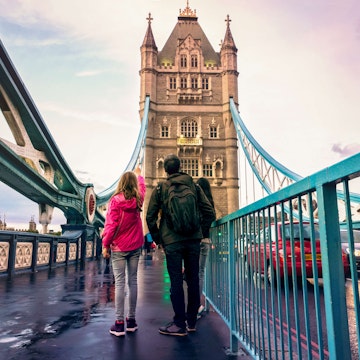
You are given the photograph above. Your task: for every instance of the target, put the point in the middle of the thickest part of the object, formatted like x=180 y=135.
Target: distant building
x=3 y=224
x=32 y=225
x=190 y=85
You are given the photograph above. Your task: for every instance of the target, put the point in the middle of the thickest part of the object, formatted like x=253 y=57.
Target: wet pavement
x=66 y=313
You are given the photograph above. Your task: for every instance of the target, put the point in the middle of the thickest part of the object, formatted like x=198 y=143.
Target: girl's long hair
x=205 y=185
x=128 y=185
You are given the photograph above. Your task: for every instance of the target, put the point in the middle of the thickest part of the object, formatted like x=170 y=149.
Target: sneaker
x=117 y=329
x=172 y=329
x=200 y=311
x=191 y=328
x=131 y=325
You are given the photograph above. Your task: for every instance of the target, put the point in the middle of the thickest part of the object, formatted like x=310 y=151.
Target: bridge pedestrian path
x=66 y=313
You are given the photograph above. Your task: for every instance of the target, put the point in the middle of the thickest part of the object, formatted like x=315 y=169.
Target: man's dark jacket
x=162 y=234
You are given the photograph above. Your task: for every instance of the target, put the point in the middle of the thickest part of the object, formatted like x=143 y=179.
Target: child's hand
x=106 y=253
x=137 y=171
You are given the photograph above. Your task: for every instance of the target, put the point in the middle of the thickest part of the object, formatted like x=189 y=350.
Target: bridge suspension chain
x=273 y=176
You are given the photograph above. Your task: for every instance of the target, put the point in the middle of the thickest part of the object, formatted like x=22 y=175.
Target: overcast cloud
x=299 y=65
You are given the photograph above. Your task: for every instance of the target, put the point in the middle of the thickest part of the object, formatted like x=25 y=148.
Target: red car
x=274 y=242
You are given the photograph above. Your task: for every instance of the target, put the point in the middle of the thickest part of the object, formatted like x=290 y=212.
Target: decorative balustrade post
x=53 y=252
x=34 y=256
x=67 y=252
x=12 y=255
x=83 y=249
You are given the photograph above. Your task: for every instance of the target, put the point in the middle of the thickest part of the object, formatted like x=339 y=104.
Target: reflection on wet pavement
x=45 y=304
x=66 y=313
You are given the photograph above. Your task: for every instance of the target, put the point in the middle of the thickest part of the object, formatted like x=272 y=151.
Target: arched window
x=172 y=83
x=194 y=83
x=218 y=170
x=205 y=83
x=183 y=61
x=194 y=61
x=160 y=168
x=183 y=83
x=189 y=128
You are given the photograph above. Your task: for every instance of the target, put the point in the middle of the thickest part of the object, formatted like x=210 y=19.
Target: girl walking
x=123 y=235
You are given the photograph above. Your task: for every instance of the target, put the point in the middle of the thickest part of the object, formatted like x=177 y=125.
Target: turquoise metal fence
x=286 y=284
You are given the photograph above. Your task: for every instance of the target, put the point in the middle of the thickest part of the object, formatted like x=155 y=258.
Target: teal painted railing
x=312 y=315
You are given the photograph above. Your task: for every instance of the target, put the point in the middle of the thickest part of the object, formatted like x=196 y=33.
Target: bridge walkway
x=66 y=313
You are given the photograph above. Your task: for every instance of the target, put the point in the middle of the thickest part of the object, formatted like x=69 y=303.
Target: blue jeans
x=204 y=251
x=125 y=263
x=177 y=254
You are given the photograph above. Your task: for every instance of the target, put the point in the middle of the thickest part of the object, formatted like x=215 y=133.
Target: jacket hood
x=124 y=204
x=180 y=178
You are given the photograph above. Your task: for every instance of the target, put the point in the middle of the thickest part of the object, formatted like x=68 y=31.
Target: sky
x=298 y=63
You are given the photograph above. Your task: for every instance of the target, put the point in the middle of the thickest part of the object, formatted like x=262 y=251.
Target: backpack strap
x=160 y=191
x=197 y=188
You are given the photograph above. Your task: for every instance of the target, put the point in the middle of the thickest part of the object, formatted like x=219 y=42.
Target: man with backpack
x=184 y=210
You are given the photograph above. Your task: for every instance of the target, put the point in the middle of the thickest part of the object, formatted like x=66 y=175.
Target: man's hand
x=106 y=253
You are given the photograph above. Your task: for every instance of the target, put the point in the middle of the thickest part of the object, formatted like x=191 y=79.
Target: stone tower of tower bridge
x=189 y=85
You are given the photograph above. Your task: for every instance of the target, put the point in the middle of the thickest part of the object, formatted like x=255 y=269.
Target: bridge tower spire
x=149 y=54
x=228 y=55
x=190 y=85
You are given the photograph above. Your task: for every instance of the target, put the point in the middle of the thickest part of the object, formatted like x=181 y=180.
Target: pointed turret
x=228 y=55
x=149 y=41
x=228 y=50
x=149 y=53
x=228 y=39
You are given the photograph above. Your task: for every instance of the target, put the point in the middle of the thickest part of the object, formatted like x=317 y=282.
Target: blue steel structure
x=284 y=319
x=258 y=315
x=35 y=167
x=271 y=175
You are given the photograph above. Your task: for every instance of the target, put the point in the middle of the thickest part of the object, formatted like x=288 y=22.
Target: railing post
x=67 y=251
x=333 y=273
x=34 y=253
x=83 y=248
x=232 y=298
x=12 y=255
x=53 y=252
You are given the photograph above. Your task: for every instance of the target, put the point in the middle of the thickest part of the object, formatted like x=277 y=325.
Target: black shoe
x=191 y=328
x=131 y=325
x=172 y=329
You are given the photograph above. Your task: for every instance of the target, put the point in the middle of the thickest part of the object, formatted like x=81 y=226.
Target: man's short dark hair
x=172 y=164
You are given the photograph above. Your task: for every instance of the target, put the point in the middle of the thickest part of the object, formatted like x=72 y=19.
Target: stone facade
x=190 y=85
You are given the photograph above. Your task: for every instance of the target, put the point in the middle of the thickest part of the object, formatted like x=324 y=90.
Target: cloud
x=299 y=68
x=89 y=73
x=346 y=150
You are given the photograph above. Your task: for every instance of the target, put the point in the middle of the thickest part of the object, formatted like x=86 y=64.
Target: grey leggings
x=204 y=251
x=125 y=263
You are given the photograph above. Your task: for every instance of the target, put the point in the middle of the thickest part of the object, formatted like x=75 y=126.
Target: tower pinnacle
x=149 y=18
x=187 y=13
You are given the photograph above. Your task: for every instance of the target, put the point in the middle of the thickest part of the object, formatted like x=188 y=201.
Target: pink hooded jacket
x=130 y=235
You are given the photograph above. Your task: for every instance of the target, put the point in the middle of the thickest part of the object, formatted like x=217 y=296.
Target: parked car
x=346 y=247
x=263 y=255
